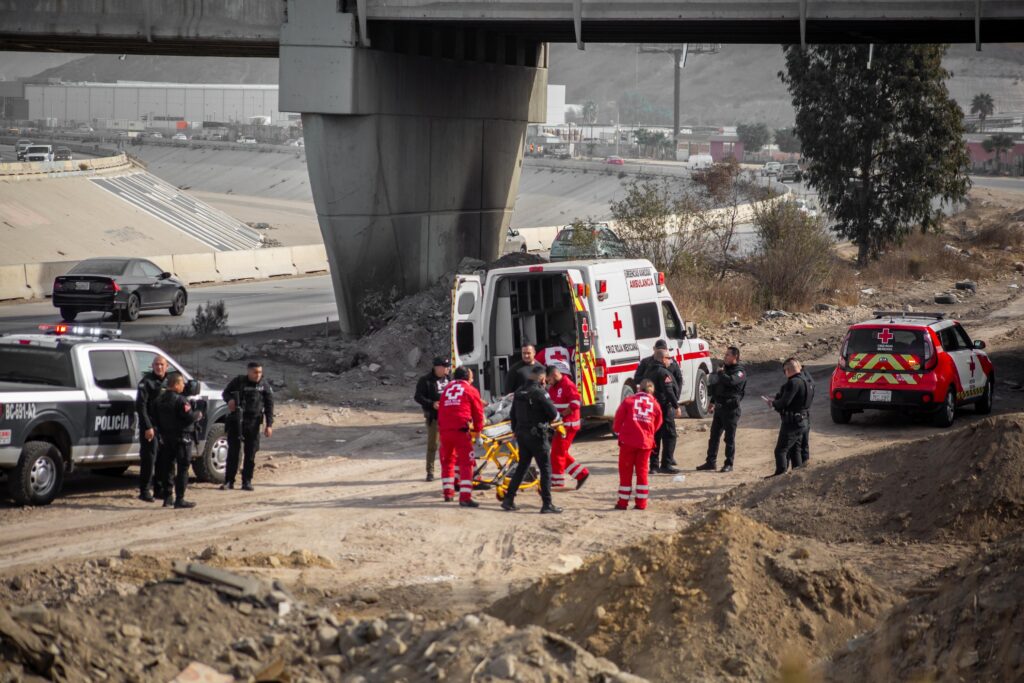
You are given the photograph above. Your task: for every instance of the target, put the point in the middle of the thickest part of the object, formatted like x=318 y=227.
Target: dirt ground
x=341 y=516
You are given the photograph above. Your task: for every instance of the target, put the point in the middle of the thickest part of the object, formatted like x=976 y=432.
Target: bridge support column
x=414 y=146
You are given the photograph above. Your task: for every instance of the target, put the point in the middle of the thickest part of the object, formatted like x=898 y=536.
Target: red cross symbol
x=585 y=328
x=556 y=355
x=885 y=336
x=971 y=365
x=643 y=407
x=617 y=324
x=454 y=391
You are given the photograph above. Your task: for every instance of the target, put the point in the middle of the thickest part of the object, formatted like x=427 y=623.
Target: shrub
x=794 y=259
x=211 y=320
x=1000 y=234
x=921 y=256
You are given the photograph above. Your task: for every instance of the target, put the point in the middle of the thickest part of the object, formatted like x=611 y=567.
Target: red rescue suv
x=912 y=363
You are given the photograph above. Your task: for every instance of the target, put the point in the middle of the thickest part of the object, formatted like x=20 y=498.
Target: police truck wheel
x=984 y=404
x=701 y=399
x=947 y=411
x=38 y=476
x=211 y=464
x=68 y=315
x=840 y=416
x=178 y=307
x=130 y=312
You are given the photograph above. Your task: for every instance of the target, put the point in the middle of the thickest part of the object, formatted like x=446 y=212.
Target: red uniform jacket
x=565 y=395
x=636 y=421
x=460 y=407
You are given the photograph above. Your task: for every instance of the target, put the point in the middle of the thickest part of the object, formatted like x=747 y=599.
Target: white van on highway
x=606 y=315
x=39 y=153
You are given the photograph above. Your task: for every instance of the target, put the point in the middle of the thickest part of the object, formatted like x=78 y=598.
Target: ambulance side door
x=584 y=357
x=679 y=346
x=468 y=335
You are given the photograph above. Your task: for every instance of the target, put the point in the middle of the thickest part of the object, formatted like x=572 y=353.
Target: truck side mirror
x=978 y=344
x=691 y=329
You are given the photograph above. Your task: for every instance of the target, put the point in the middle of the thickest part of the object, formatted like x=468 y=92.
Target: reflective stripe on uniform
x=574 y=469
x=574 y=423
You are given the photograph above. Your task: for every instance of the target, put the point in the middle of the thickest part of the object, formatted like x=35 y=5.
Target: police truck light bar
x=78 y=330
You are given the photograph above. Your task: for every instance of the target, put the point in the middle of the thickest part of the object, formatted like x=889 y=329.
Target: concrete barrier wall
x=311 y=258
x=35 y=280
x=18 y=169
x=195 y=268
x=236 y=265
x=12 y=283
x=39 y=276
x=275 y=262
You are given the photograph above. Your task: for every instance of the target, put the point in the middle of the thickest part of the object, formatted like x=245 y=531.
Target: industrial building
x=158 y=105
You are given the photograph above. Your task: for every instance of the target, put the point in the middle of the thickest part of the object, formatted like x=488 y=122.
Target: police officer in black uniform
x=727 y=387
x=666 y=393
x=805 y=441
x=532 y=414
x=175 y=419
x=250 y=402
x=428 y=396
x=519 y=374
x=649 y=363
x=790 y=402
x=149 y=388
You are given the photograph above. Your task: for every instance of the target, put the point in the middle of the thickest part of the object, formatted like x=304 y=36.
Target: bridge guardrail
x=18 y=169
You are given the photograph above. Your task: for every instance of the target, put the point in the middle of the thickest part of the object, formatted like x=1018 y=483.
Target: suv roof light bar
x=61 y=329
x=908 y=314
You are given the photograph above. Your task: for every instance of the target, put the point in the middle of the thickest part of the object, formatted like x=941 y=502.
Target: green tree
x=982 y=106
x=650 y=141
x=754 y=136
x=787 y=141
x=883 y=142
x=590 y=112
x=648 y=220
x=998 y=143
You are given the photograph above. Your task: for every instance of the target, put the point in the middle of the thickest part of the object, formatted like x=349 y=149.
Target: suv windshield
x=34 y=365
x=99 y=267
x=885 y=340
x=38 y=150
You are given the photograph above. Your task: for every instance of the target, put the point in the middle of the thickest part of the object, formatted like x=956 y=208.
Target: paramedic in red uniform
x=636 y=421
x=460 y=416
x=566 y=398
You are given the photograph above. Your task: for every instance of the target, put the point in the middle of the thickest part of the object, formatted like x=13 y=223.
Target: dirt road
x=347 y=484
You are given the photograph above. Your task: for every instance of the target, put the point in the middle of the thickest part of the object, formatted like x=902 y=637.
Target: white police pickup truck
x=67 y=401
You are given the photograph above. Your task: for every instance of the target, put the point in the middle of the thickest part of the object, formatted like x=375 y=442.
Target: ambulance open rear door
x=584 y=365
x=467 y=325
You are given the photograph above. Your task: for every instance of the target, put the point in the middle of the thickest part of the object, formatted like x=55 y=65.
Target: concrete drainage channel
x=35 y=280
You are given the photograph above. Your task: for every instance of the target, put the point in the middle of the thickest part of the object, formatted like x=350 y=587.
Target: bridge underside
x=737 y=31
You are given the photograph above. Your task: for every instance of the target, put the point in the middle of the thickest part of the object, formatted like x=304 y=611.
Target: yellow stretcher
x=500 y=457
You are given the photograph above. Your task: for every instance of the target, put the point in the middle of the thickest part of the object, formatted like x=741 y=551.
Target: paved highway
x=252 y=307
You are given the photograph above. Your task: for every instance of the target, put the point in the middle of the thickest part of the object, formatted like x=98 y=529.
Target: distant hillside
x=15 y=65
x=110 y=68
x=738 y=84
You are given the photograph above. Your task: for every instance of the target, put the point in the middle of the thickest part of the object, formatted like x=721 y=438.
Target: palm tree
x=983 y=107
x=998 y=143
x=590 y=115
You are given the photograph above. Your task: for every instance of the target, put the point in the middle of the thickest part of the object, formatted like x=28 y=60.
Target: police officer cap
x=441 y=362
x=661 y=344
x=537 y=371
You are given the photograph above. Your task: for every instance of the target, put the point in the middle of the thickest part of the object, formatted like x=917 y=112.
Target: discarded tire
x=968 y=285
x=945 y=298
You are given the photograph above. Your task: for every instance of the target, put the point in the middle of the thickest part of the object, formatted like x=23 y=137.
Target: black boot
x=708 y=466
x=550 y=509
x=468 y=503
x=146 y=497
x=227 y=486
x=509 y=505
x=247 y=486
x=182 y=503
x=169 y=502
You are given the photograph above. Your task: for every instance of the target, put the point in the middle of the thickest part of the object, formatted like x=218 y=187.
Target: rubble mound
x=966 y=624
x=245 y=629
x=965 y=485
x=725 y=598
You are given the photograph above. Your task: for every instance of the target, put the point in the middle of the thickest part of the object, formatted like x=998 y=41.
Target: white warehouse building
x=159 y=104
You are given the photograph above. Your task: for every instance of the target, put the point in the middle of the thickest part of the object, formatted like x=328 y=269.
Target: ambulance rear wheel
x=947 y=411
x=839 y=415
x=701 y=399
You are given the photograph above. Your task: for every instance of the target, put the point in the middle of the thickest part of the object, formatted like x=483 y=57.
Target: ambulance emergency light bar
x=61 y=329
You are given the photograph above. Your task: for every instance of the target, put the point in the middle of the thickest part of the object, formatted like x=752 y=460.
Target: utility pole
x=679 y=54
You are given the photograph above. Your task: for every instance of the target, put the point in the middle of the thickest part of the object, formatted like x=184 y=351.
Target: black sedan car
x=124 y=286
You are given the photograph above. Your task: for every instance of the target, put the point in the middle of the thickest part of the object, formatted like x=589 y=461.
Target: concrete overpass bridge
x=415 y=111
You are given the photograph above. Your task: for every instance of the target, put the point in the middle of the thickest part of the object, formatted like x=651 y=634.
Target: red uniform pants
x=456 y=454
x=633 y=460
x=564 y=465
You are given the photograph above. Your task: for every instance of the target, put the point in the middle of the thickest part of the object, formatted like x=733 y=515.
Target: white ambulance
x=607 y=314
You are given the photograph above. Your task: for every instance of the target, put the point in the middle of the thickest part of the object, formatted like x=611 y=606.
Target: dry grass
x=923 y=256
x=708 y=300
x=1000 y=234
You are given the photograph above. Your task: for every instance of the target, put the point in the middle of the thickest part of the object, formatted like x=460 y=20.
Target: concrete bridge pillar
x=414 y=141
